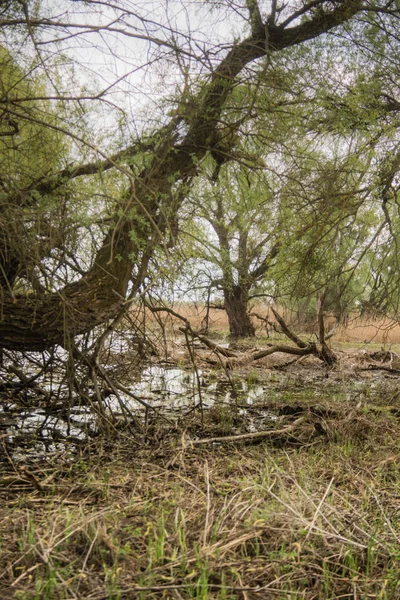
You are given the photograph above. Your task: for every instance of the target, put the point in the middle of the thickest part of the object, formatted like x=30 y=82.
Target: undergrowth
x=316 y=519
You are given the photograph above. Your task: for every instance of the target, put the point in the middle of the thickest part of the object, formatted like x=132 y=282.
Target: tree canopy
x=111 y=110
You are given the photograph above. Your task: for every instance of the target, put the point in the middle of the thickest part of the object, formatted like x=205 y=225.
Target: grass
x=311 y=513
x=314 y=517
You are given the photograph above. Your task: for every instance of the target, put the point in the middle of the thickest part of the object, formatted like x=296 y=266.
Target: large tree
x=156 y=168
x=288 y=216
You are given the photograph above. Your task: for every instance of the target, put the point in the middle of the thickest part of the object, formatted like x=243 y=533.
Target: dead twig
x=249 y=436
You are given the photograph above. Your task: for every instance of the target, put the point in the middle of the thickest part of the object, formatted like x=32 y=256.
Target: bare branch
x=257 y=435
x=255 y=17
x=321 y=325
x=288 y=332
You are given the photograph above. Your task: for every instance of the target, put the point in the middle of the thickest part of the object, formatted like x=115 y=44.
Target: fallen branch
x=187 y=329
x=287 y=364
x=249 y=436
x=309 y=349
x=379 y=368
x=323 y=352
x=288 y=332
x=211 y=345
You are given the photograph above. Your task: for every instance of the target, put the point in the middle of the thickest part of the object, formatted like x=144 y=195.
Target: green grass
x=310 y=515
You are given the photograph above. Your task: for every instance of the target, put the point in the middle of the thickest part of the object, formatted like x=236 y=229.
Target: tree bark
x=38 y=323
x=240 y=323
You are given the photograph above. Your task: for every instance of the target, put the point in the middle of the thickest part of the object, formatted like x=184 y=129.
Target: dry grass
x=358 y=329
x=310 y=513
x=314 y=516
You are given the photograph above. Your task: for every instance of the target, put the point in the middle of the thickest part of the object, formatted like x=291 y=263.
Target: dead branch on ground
x=249 y=436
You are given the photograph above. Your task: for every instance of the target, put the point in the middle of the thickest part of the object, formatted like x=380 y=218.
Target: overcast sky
x=131 y=54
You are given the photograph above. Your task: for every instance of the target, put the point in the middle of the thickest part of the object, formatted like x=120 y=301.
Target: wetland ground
x=267 y=481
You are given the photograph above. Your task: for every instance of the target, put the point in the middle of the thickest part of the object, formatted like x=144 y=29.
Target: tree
x=290 y=189
x=157 y=168
x=27 y=151
x=235 y=232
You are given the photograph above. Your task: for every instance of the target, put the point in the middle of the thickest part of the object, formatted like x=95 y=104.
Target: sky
x=108 y=49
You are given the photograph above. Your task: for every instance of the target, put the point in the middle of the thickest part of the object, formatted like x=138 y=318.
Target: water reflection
x=46 y=423
x=44 y=428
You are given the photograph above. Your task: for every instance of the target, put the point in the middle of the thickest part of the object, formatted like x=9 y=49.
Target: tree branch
x=255 y=17
x=263 y=268
x=257 y=435
x=288 y=332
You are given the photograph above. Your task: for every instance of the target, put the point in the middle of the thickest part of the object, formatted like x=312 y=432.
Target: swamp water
x=42 y=426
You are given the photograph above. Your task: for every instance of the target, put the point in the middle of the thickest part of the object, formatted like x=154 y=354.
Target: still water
x=44 y=424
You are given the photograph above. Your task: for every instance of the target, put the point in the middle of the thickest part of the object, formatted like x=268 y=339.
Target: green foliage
x=280 y=193
x=30 y=145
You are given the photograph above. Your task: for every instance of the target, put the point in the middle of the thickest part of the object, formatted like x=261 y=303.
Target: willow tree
x=233 y=233
x=155 y=167
x=347 y=240
x=288 y=212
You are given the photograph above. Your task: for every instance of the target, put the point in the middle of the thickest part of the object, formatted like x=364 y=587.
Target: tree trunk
x=37 y=323
x=236 y=301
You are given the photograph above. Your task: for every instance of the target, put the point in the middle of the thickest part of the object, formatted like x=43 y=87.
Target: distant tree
x=288 y=214
x=235 y=232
